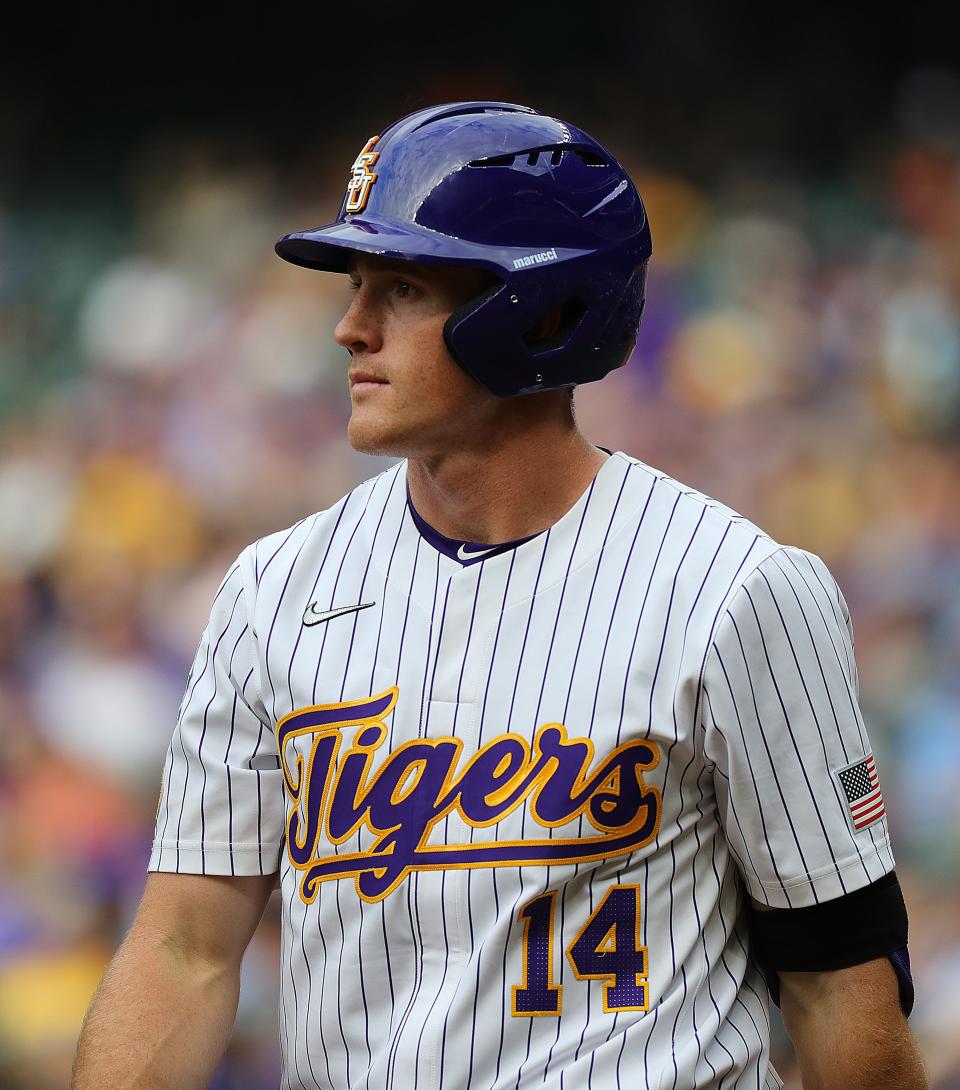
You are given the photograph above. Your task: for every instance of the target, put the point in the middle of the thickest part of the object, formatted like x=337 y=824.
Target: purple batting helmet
x=537 y=202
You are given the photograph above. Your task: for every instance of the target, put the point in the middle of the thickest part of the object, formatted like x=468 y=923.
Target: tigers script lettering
x=345 y=784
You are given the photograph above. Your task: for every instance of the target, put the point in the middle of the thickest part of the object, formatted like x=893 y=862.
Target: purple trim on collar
x=452 y=547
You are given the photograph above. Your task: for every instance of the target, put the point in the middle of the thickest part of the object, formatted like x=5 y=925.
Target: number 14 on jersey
x=606 y=948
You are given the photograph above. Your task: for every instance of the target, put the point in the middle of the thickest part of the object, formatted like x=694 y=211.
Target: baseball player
x=557 y=762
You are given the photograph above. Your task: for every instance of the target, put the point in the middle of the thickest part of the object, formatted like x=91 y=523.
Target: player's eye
x=404 y=289
x=354 y=284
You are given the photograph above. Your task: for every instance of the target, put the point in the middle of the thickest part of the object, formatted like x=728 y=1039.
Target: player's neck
x=520 y=486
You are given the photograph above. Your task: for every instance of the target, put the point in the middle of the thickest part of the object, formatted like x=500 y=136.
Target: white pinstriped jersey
x=516 y=803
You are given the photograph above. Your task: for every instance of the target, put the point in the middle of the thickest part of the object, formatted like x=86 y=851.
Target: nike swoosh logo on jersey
x=462 y=553
x=312 y=615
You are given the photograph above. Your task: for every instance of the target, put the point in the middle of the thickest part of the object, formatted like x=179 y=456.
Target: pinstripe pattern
x=649 y=614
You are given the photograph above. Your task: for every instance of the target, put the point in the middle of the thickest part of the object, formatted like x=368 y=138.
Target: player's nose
x=358 y=330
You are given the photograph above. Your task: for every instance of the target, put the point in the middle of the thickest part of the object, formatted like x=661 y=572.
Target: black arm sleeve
x=867 y=924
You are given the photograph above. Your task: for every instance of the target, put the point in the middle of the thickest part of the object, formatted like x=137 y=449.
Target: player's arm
x=801 y=805
x=849 y=1030
x=165 y=1008
x=840 y=972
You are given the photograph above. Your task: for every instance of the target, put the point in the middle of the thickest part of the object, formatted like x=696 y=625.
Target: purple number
x=608 y=948
x=537 y=994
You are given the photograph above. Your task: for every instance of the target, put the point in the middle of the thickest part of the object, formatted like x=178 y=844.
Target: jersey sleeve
x=797 y=788
x=221 y=798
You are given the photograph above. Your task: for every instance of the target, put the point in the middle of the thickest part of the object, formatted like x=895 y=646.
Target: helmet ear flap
x=551 y=331
x=499 y=337
x=462 y=312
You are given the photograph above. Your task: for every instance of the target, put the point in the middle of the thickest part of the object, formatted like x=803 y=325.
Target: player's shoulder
x=272 y=555
x=689 y=500
x=756 y=555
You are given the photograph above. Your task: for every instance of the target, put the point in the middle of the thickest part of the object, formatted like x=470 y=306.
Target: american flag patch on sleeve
x=861 y=785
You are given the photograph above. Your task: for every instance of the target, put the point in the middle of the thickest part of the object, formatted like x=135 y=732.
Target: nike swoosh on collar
x=312 y=615
x=462 y=554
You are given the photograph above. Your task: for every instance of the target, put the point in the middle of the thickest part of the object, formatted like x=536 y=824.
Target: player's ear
x=555 y=328
x=546 y=327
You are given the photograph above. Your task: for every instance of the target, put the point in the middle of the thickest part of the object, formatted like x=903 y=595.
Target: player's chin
x=368 y=433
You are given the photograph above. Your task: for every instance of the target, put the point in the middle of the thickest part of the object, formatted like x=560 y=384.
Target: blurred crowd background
x=170 y=390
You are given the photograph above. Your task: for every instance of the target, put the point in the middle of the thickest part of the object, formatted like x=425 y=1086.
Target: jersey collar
x=458 y=549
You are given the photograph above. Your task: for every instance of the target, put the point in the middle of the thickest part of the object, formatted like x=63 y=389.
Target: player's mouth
x=362 y=381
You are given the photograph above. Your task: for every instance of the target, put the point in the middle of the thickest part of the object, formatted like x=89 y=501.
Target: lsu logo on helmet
x=362 y=178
